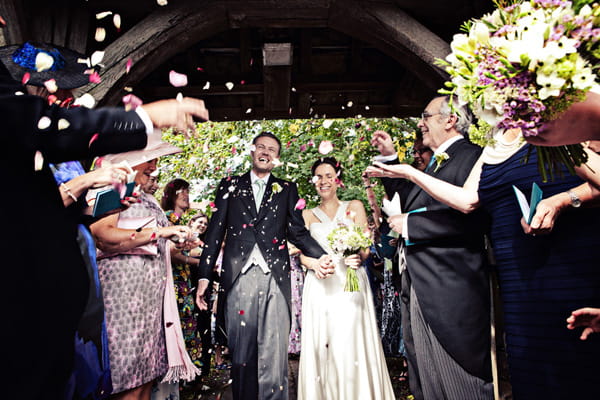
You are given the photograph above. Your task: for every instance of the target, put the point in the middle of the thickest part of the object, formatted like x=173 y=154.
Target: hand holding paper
x=528 y=209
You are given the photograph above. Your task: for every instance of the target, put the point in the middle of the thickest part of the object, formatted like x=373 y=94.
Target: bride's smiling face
x=326 y=180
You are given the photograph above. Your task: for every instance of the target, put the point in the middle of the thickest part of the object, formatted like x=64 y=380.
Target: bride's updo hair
x=328 y=160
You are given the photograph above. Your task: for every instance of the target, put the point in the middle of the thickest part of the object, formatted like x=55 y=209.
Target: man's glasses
x=425 y=115
x=420 y=151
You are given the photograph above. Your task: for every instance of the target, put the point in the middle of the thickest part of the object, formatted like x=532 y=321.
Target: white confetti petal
x=248 y=111
x=103 y=14
x=86 y=100
x=179 y=97
x=229 y=85
x=43 y=61
x=327 y=123
x=63 y=124
x=367 y=108
x=117 y=21
x=44 y=123
x=162 y=2
x=38 y=161
x=206 y=86
x=100 y=34
x=96 y=58
x=349 y=104
x=51 y=85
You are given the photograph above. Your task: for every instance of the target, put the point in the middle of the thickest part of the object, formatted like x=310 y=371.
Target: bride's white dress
x=342 y=356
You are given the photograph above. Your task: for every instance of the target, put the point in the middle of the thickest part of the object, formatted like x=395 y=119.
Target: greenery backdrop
x=222 y=148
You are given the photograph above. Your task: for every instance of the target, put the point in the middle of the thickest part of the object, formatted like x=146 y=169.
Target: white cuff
x=145 y=119
x=383 y=159
x=405 y=228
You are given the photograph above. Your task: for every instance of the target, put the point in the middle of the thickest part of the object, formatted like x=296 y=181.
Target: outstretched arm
x=464 y=199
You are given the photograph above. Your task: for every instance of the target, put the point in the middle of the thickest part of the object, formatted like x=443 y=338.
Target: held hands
x=353 y=261
x=177 y=114
x=323 y=267
x=200 y=300
x=586 y=317
x=183 y=237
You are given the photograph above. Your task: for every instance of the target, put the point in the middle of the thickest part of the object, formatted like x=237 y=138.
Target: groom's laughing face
x=266 y=150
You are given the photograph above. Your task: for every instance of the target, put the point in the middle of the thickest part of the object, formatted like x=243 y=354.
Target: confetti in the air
x=128 y=66
x=300 y=204
x=25 y=78
x=103 y=14
x=325 y=147
x=206 y=86
x=100 y=34
x=229 y=85
x=178 y=80
x=50 y=85
x=43 y=62
x=86 y=100
x=95 y=77
x=63 y=124
x=44 y=123
x=38 y=161
x=117 y=21
x=131 y=101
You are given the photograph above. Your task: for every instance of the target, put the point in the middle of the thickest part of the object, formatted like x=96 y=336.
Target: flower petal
x=178 y=80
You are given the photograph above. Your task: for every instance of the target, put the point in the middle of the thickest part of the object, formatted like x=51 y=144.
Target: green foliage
x=222 y=149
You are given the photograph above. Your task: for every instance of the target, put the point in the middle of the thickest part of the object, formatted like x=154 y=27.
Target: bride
x=342 y=355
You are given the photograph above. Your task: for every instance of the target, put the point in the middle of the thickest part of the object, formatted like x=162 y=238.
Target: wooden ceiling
x=352 y=57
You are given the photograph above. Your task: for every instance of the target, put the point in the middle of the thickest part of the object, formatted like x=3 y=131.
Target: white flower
x=556 y=50
x=43 y=61
x=550 y=85
x=583 y=79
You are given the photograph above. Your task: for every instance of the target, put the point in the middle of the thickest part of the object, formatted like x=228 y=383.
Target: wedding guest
x=542 y=278
x=258 y=214
x=144 y=331
x=176 y=202
x=341 y=356
x=152 y=186
x=444 y=253
x=56 y=267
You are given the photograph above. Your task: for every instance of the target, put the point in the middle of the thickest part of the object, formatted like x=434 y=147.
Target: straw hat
x=66 y=70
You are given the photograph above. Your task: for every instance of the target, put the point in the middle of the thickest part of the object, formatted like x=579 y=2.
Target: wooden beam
x=396 y=34
x=277 y=81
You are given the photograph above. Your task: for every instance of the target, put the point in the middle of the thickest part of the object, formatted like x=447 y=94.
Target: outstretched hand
x=383 y=142
x=177 y=114
x=381 y=170
x=587 y=317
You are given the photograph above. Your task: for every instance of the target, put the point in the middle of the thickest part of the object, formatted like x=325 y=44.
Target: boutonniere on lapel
x=439 y=159
x=275 y=188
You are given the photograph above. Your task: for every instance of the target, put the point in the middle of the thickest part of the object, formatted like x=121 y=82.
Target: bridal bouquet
x=345 y=240
x=524 y=64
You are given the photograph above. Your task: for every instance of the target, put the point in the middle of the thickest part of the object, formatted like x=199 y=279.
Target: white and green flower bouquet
x=345 y=240
x=523 y=65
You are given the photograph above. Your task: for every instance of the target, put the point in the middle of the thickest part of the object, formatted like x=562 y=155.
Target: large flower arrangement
x=523 y=65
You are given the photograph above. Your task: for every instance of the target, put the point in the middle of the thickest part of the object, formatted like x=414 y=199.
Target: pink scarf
x=180 y=364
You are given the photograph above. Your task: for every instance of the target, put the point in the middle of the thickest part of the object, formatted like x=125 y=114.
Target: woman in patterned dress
x=133 y=287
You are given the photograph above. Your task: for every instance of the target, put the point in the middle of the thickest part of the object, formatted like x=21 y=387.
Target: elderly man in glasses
x=445 y=291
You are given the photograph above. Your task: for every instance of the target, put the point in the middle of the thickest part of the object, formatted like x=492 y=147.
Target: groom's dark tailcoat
x=236 y=219
x=264 y=335
x=447 y=266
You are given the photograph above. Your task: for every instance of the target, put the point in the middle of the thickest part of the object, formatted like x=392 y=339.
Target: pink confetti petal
x=178 y=80
x=93 y=139
x=128 y=66
x=95 y=77
x=282 y=247
x=300 y=204
x=325 y=147
x=25 y=78
x=200 y=69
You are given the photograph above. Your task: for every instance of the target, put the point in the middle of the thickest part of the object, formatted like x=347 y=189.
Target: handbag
x=149 y=249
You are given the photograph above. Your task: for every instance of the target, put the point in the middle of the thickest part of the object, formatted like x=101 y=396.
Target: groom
x=257 y=214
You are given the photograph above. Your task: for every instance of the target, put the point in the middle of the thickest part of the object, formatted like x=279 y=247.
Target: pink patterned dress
x=133 y=287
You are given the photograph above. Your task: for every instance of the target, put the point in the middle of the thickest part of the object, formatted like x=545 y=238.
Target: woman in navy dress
x=542 y=277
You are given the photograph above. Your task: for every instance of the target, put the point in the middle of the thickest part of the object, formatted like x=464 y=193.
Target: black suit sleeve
x=32 y=125
x=214 y=233
x=444 y=223
x=297 y=233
